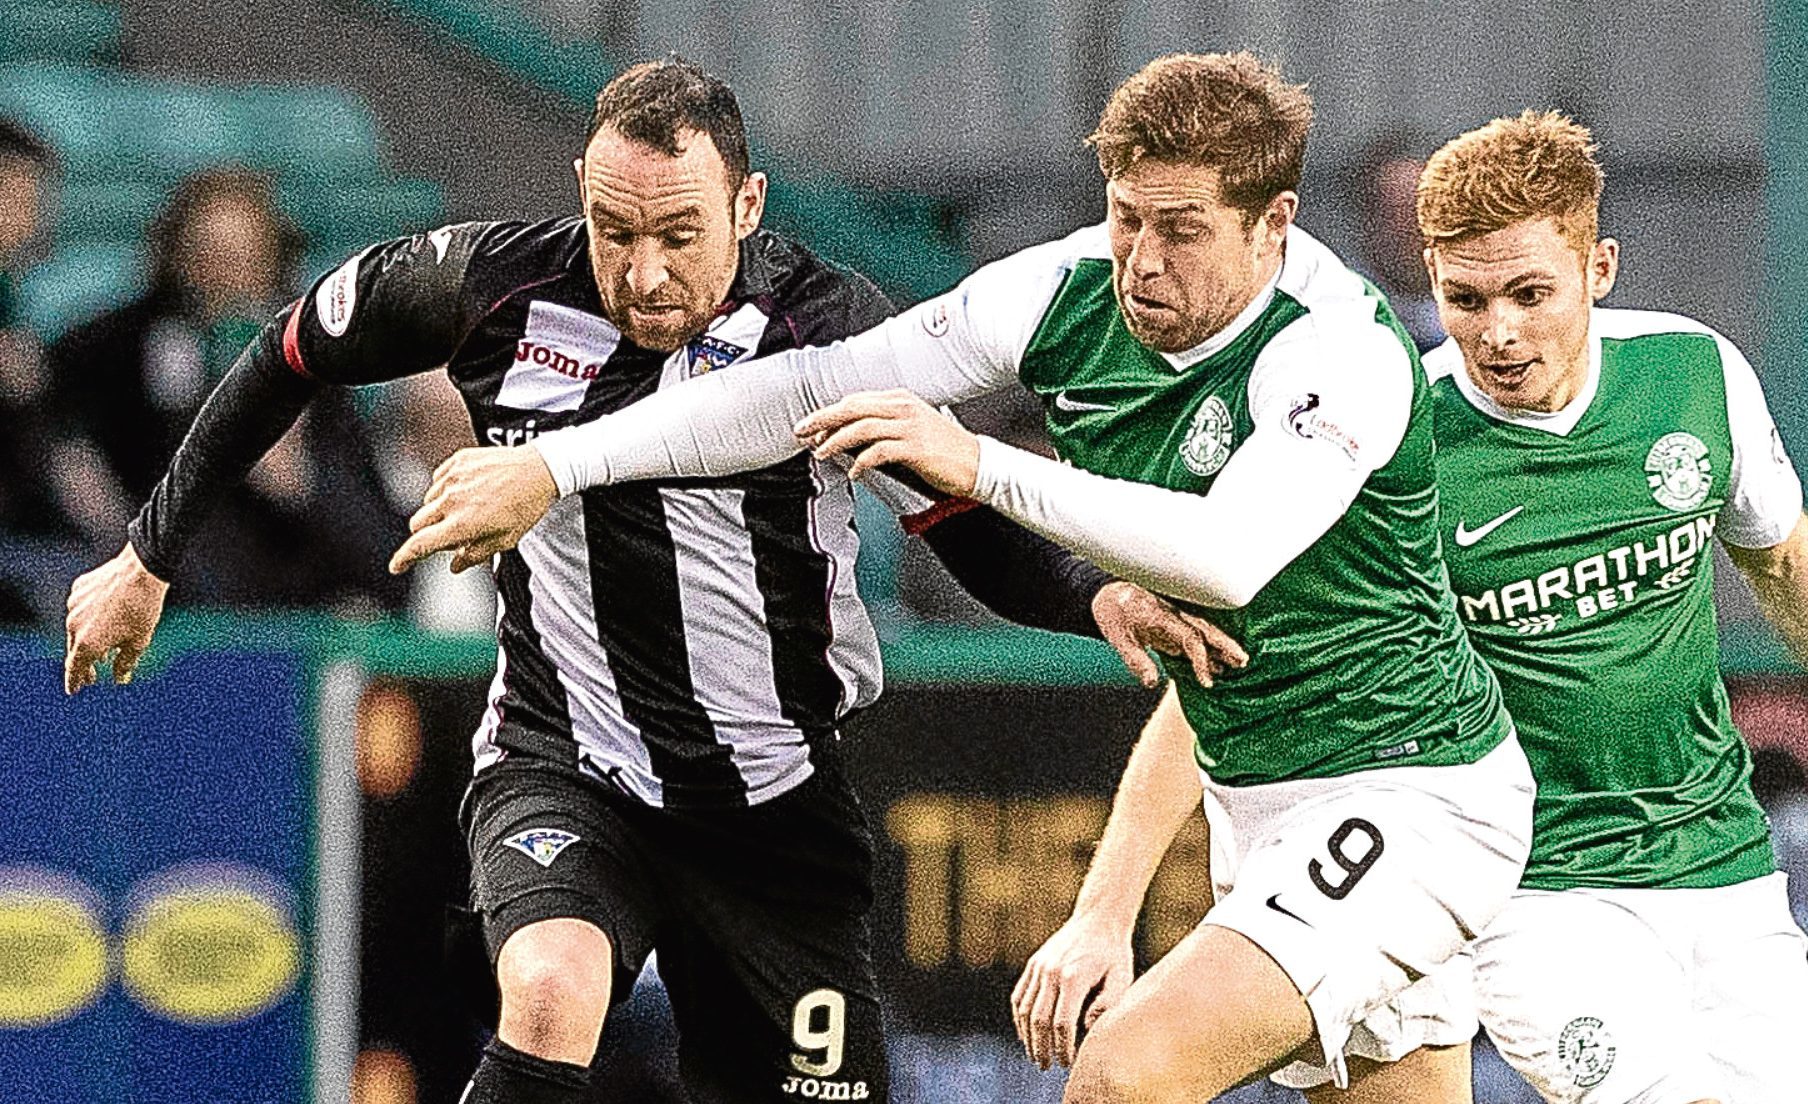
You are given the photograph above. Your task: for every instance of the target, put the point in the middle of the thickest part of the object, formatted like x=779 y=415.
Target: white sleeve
x=958 y=345
x=1327 y=414
x=1764 y=494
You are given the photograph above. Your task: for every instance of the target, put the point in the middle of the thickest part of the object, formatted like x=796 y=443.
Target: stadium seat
x=60 y=102
x=305 y=133
x=341 y=217
x=77 y=282
x=105 y=210
x=58 y=30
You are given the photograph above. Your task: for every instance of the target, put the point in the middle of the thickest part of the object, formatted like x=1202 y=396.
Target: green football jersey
x=1357 y=657
x=1582 y=559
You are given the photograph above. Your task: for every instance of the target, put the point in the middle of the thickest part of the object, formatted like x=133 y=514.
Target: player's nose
x=646 y=268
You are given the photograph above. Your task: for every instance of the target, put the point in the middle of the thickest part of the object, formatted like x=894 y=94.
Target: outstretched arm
x=955 y=346
x=390 y=311
x=1318 y=436
x=1086 y=965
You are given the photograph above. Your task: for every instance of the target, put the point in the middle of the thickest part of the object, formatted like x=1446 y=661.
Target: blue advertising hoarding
x=157 y=884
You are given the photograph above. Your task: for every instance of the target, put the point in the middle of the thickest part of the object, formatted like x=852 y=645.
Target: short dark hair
x=1225 y=111
x=19 y=141
x=198 y=190
x=654 y=102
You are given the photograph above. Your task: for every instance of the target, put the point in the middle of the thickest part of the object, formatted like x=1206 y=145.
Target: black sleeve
x=250 y=410
x=395 y=309
x=1019 y=575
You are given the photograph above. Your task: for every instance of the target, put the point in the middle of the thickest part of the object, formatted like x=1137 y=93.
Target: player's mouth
x=1146 y=304
x=1508 y=374
x=655 y=314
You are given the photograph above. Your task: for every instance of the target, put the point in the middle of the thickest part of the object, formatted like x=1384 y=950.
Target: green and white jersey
x=1357 y=658
x=1582 y=557
x=1280 y=474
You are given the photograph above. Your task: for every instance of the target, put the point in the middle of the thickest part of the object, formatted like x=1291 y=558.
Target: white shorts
x=1650 y=996
x=1359 y=887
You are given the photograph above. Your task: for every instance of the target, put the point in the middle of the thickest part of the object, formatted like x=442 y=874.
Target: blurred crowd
x=93 y=415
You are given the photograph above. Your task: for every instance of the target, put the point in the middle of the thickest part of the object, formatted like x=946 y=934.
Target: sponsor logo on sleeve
x=337 y=298
x=1307 y=421
x=936 y=320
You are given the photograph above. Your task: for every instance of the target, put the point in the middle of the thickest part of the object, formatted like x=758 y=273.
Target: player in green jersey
x=1248 y=430
x=1588 y=459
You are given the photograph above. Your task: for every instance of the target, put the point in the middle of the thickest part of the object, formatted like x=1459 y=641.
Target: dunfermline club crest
x=1207 y=443
x=1679 y=471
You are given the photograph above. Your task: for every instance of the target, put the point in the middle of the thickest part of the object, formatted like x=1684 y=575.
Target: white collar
x=1558 y=423
x=1246 y=318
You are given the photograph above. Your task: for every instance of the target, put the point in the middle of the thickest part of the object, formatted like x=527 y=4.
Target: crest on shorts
x=1207 y=443
x=541 y=844
x=1678 y=471
x=1586 y=1050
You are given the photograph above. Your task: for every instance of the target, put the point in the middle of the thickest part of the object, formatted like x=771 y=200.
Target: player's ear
x=1271 y=228
x=750 y=204
x=1603 y=268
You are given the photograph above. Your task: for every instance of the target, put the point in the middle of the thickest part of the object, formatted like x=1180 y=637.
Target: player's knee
x=1108 y=1071
x=554 y=978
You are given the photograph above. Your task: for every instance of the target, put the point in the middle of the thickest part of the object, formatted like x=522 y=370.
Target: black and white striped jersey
x=686 y=641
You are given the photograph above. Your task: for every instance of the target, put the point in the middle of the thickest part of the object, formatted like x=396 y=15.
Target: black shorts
x=761 y=917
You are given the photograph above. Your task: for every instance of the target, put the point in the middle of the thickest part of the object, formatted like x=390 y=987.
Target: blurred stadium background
x=228 y=884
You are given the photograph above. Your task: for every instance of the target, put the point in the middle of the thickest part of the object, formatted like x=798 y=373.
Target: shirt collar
x=1558 y=423
x=753 y=273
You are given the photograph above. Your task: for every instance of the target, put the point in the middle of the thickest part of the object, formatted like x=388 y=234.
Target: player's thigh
x=1428 y=1075
x=546 y=846
x=770 y=962
x=1214 y=1012
x=1752 y=988
x=1591 y=1003
x=1365 y=893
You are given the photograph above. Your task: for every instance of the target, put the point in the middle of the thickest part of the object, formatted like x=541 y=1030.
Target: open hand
x=482 y=502
x=895 y=427
x=112 y=612
x=1133 y=620
x=1072 y=980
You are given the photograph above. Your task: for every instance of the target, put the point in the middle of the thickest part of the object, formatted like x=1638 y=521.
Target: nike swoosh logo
x=1062 y=402
x=1466 y=536
x=1274 y=902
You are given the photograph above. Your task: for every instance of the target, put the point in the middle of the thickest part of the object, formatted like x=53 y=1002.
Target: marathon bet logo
x=1678 y=471
x=1207 y=443
x=1586 y=1050
x=542 y=844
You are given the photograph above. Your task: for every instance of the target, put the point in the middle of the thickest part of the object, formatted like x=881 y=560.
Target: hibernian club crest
x=1679 y=471
x=1207 y=443
x=1586 y=1050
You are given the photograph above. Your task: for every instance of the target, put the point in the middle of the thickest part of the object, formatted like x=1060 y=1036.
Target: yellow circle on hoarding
x=53 y=958
x=210 y=956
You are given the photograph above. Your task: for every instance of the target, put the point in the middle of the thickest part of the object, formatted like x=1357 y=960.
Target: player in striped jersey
x=1588 y=460
x=1248 y=429
x=657 y=766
